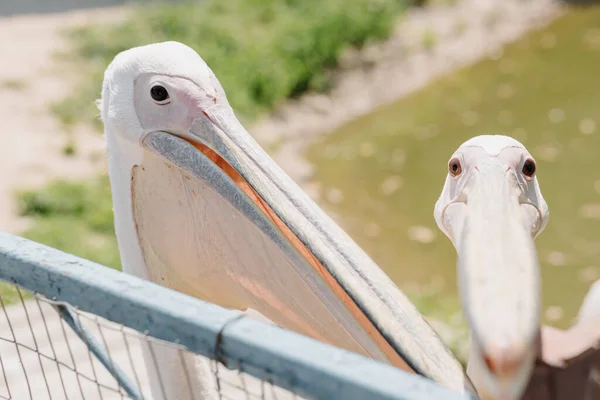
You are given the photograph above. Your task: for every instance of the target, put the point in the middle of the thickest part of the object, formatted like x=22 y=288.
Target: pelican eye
x=454 y=167
x=159 y=93
x=529 y=168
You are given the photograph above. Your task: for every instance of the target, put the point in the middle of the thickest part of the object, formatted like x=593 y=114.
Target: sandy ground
x=30 y=81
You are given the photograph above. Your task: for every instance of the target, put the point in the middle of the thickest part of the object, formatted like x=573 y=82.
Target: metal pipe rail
x=304 y=366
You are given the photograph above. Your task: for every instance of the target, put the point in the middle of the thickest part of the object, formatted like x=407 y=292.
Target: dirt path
x=30 y=81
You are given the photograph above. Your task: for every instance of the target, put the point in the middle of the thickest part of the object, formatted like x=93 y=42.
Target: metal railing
x=73 y=329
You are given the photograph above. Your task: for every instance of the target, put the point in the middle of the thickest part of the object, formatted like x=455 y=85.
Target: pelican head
x=491 y=208
x=164 y=86
x=202 y=209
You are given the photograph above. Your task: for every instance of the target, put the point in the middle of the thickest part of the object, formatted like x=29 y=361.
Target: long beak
x=499 y=282
x=253 y=239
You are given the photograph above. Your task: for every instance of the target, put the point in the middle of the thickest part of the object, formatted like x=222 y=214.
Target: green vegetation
x=263 y=51
x=10 y=293
x=73 y=217
x=69 y=148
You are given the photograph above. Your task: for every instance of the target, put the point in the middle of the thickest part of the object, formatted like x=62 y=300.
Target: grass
x=70 y=148
x=263 y=51
x=71 y=216
x=74 y=217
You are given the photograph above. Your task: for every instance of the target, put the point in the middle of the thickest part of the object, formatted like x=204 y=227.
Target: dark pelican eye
x=159 y=93
x=454 y=167
x=529 y=168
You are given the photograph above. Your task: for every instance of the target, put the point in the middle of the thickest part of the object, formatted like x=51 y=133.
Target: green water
x=383 y=173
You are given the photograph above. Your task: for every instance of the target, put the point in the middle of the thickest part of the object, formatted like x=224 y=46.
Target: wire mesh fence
x=72 y=329
x=43 y=357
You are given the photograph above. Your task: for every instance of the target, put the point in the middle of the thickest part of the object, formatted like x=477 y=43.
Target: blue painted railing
x=304 y=366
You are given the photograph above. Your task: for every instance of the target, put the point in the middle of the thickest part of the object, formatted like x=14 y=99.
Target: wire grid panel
x=42 y=357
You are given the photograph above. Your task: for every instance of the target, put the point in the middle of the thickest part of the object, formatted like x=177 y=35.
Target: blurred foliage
x=263 y=51
x=73 y=217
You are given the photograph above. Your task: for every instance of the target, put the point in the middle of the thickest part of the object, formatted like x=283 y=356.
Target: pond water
x=383 y=173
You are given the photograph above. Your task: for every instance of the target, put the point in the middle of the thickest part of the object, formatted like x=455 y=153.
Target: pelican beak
x=227 y=225
x=498 y=277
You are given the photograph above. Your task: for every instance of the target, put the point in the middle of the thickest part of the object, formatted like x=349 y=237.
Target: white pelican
x=491 y=208
x=202 y=209
x=590 y=307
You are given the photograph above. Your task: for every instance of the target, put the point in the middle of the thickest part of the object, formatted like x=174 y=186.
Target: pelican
x=202 y=209
x=590 y=307
x=492 y=209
